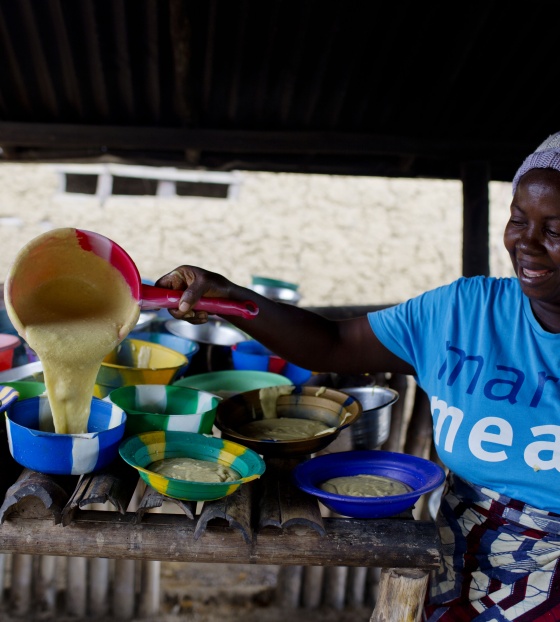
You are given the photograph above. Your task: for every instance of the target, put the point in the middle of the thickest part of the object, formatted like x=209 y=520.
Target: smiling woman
x=485 y=350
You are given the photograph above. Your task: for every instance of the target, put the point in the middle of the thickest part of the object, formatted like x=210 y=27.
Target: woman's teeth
x=534 y=274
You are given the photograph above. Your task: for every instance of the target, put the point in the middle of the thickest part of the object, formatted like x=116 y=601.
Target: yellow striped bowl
x=141 y=450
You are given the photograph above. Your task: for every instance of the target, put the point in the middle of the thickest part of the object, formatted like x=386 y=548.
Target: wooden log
x=4 y=557
x=420 y=431
x=235 y=509
x=152 y=499
x=401 y=595
x=399 y=383
x=124 y=591
x=21 y=593
x=115 y=485
x=312 y=587
x=356 y=586
x=335 y=587
x=76 y=586
x=288 y=587
x=35 y=495
x=376 y=542
x=284 y=505
x=98 y=587
x=44 y=584
x=149 y=596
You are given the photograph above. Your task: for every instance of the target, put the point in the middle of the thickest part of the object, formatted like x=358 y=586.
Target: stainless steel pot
x=215 y=338
x=372 y=429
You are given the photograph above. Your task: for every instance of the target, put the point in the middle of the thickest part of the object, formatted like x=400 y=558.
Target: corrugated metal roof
x=350 y=87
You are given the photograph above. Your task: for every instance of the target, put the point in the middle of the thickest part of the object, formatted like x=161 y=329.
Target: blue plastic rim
x=8 y=395
x=252 y=355
x=421 y=475
x=35 y=445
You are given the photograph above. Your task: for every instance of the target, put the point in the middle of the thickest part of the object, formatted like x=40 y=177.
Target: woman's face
x=532 y=238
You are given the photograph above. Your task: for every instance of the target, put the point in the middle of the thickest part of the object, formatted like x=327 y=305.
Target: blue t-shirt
x=492 y=375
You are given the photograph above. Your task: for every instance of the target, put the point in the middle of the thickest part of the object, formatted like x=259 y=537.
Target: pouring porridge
x=72 y=307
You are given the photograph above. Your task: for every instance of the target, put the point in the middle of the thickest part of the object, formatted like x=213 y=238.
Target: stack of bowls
x=125 y=366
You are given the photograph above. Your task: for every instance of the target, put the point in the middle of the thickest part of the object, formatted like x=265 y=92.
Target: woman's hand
x=195 y=283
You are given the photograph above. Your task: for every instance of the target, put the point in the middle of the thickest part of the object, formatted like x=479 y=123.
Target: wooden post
x=148 y=601
x=3 y=571
x=288 y=588
x=20 y=594
x=124 y=593
x=335 y=587
x=312 y=587
x=45 y=583
x=476 y=217
x=76 y=586
x=98 y=587
x=401 y=595
x=356 y=589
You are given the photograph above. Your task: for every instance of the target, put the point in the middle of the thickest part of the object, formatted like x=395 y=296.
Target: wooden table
x=269 y=521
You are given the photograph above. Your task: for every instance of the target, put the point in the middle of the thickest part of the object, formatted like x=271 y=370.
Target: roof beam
x=71 y=136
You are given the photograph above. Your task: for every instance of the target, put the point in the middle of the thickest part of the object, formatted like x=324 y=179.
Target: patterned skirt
x=500 y=559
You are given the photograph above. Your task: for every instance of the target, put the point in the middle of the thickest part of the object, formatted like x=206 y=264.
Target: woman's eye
x=553 y=234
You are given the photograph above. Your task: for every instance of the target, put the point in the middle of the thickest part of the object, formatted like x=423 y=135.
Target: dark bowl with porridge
x=286 y=420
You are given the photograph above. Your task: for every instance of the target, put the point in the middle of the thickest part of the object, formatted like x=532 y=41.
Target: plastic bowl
x=252 y=355
x=338 y=410
x=26 y=389
x=8 y=395
x=121 y=367
x=8 y=344
x=152 y=407
x=141 y=450
x=421 y=475
x=184 y=346
x=35 y=445
x=230 y=382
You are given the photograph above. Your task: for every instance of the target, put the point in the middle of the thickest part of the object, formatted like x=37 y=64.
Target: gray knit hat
x=547 y=155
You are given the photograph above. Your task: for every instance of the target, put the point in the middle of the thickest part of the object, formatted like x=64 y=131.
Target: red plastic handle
x=160 y=298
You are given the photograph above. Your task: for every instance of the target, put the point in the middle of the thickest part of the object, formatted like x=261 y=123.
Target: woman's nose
x=530 y=240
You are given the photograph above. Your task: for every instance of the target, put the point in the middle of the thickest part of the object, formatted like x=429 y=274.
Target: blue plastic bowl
x=252 y=355
x=35 y=445
x=421 y=475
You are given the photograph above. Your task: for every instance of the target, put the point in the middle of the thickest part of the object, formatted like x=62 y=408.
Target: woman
x=487 y=353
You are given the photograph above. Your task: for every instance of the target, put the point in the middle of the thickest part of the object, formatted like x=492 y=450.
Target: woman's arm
x=298 y=335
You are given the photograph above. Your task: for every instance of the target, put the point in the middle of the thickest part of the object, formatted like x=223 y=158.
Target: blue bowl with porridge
x=34 y=443
x=368 y=483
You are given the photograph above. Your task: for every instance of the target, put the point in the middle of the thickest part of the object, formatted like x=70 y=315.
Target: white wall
x=345 y=240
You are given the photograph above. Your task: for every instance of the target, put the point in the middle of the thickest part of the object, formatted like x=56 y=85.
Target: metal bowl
x=334 y=408
x=213 y=332
x=374 y=426
x=281 y=291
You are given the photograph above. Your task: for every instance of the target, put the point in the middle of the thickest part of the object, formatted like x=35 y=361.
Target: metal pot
x=372 y=429
x=215 y=338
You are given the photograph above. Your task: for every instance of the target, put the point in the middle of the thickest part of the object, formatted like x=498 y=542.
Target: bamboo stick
x=76 y=586
x=124 y=594
x=20 y=593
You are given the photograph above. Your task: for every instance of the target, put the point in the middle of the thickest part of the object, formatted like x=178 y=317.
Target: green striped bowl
x=141 y=450
x=153 y=407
